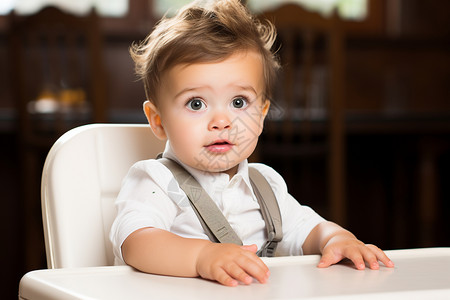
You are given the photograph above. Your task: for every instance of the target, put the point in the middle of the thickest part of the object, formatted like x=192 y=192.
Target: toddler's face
x=213 y=113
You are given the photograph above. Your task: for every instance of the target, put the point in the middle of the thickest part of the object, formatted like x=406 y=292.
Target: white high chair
x=80 y=181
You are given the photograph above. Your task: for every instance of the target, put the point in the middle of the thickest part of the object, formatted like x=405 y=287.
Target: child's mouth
x=220 y=146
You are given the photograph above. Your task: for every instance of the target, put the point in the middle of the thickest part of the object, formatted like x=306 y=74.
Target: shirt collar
x=211 y=181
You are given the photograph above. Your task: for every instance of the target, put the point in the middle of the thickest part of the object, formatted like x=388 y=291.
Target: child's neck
x=231 y=172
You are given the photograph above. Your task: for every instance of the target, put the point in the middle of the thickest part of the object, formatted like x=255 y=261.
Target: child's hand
x=346 y=246
x=335 y=243
x=230 y=264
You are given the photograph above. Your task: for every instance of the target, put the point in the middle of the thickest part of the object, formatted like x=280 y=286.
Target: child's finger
x=253 y=259
x=238 y=273
x=357 y=257
x=381 y=256
x=370 y=257
x=328 y=258
x=224 y=278
x=260 y=274
x=252 y=248
x=254 y=266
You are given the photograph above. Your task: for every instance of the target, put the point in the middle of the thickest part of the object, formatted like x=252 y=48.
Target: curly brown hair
x=204 y=33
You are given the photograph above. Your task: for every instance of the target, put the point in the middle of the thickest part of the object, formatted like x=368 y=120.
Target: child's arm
x=335 y=243
x=158 y=251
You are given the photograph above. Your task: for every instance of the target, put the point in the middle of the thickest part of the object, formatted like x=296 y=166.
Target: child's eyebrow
x=239 y=87
x=185 y=90
x=247 y=88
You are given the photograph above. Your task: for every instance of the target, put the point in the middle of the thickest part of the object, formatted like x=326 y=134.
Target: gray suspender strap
x=269 y=210
x=213 y=221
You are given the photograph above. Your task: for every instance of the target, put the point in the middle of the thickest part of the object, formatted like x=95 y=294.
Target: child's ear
x=266 y=107
x=264 y=112
x=154 y=119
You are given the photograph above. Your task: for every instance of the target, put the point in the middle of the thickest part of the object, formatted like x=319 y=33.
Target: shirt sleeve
x=297 y=220
x=142 y=202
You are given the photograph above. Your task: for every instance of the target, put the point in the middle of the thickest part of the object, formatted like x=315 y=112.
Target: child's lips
x=220 y=146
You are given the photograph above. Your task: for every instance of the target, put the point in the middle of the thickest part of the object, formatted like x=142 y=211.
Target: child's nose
x=220 y=121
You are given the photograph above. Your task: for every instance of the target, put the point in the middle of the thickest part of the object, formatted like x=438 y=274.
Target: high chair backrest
x=80 y=181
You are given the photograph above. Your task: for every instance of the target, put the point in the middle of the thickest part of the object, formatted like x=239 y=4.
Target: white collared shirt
x=151 y=197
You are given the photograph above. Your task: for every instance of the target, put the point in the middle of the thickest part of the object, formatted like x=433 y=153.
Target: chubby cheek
x=248 y=149
x=253 y=127
x=184 y=136
x=181 y=137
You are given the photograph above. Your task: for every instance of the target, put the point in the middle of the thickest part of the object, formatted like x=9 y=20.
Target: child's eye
x=196 y=104
x=239 y=102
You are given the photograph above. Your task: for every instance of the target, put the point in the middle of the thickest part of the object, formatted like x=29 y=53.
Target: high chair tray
x=418 y=274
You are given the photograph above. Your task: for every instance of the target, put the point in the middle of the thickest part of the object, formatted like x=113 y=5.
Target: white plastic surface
x=80 y=181
x=418 y=274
